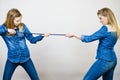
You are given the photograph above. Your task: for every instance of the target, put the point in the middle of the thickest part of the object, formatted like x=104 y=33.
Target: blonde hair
x=111 y=18
x=11 y=15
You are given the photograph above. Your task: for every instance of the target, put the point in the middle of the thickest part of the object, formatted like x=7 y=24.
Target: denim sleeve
x=29 y=35
x=101 y=33
x=3 y=29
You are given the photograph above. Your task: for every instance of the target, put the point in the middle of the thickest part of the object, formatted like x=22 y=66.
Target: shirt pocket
x=20 y=34
x=9 y=35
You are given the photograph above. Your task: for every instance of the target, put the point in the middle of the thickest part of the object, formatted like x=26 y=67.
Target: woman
x=15 y=33
x=107 y=35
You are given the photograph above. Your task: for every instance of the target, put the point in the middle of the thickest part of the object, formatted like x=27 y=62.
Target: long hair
x=111 y=18
x=11 y=15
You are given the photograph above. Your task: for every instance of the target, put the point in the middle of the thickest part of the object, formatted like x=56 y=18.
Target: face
x=103 y=19
x=17 y=20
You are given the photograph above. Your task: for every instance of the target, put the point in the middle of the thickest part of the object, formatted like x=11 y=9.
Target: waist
x=106 y=54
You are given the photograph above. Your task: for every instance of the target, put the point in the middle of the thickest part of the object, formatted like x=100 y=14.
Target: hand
x=46 y=34
x=11 y=31
x=70 y=35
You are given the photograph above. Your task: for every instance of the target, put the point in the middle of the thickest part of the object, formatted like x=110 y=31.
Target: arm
x=30 y=37
x=101 y=33
x=89 y=38
x=70 y=35
x=3 y=29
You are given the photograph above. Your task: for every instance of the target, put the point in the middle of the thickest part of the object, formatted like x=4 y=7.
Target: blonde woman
x=107 y=35
x=15 y=33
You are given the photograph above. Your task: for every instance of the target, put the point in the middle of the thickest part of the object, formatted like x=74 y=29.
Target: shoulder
x=25 y=28
x=3 y=26
x=110 y=29
x=103 y=28
x=24 y=25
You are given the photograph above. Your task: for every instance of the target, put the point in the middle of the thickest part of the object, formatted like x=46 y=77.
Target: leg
x=99 y=68
x=93 y=73
x=30 y=69
x=9 y=69
x=109 y=74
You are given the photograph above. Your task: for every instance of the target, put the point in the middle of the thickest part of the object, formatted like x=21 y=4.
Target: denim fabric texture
x=101 y=68
x=107 y=41
x=106 y=56
x=28 y=66
x=18 y=51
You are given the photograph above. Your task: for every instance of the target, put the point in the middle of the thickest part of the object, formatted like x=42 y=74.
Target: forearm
x=77 y=36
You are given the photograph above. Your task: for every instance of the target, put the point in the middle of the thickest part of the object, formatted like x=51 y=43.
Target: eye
x=100 y=18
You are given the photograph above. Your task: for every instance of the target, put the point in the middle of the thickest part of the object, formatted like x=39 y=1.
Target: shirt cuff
x=82 y=37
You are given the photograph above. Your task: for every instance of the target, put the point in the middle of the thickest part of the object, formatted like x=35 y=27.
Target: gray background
x=58 y=57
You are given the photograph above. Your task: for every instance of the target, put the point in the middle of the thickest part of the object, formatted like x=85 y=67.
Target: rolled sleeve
x=37 y=38
x=95 y=36
x=30 y=37
x=3 y=29
x=82 y=38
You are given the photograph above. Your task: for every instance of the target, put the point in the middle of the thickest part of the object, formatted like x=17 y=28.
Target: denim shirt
x=18 y=51
x=107 y=41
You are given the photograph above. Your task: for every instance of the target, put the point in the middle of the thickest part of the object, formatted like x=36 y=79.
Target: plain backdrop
x=59 y=57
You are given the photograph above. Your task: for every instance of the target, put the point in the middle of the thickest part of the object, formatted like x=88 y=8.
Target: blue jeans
x=28 y=66
x=101 y=68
